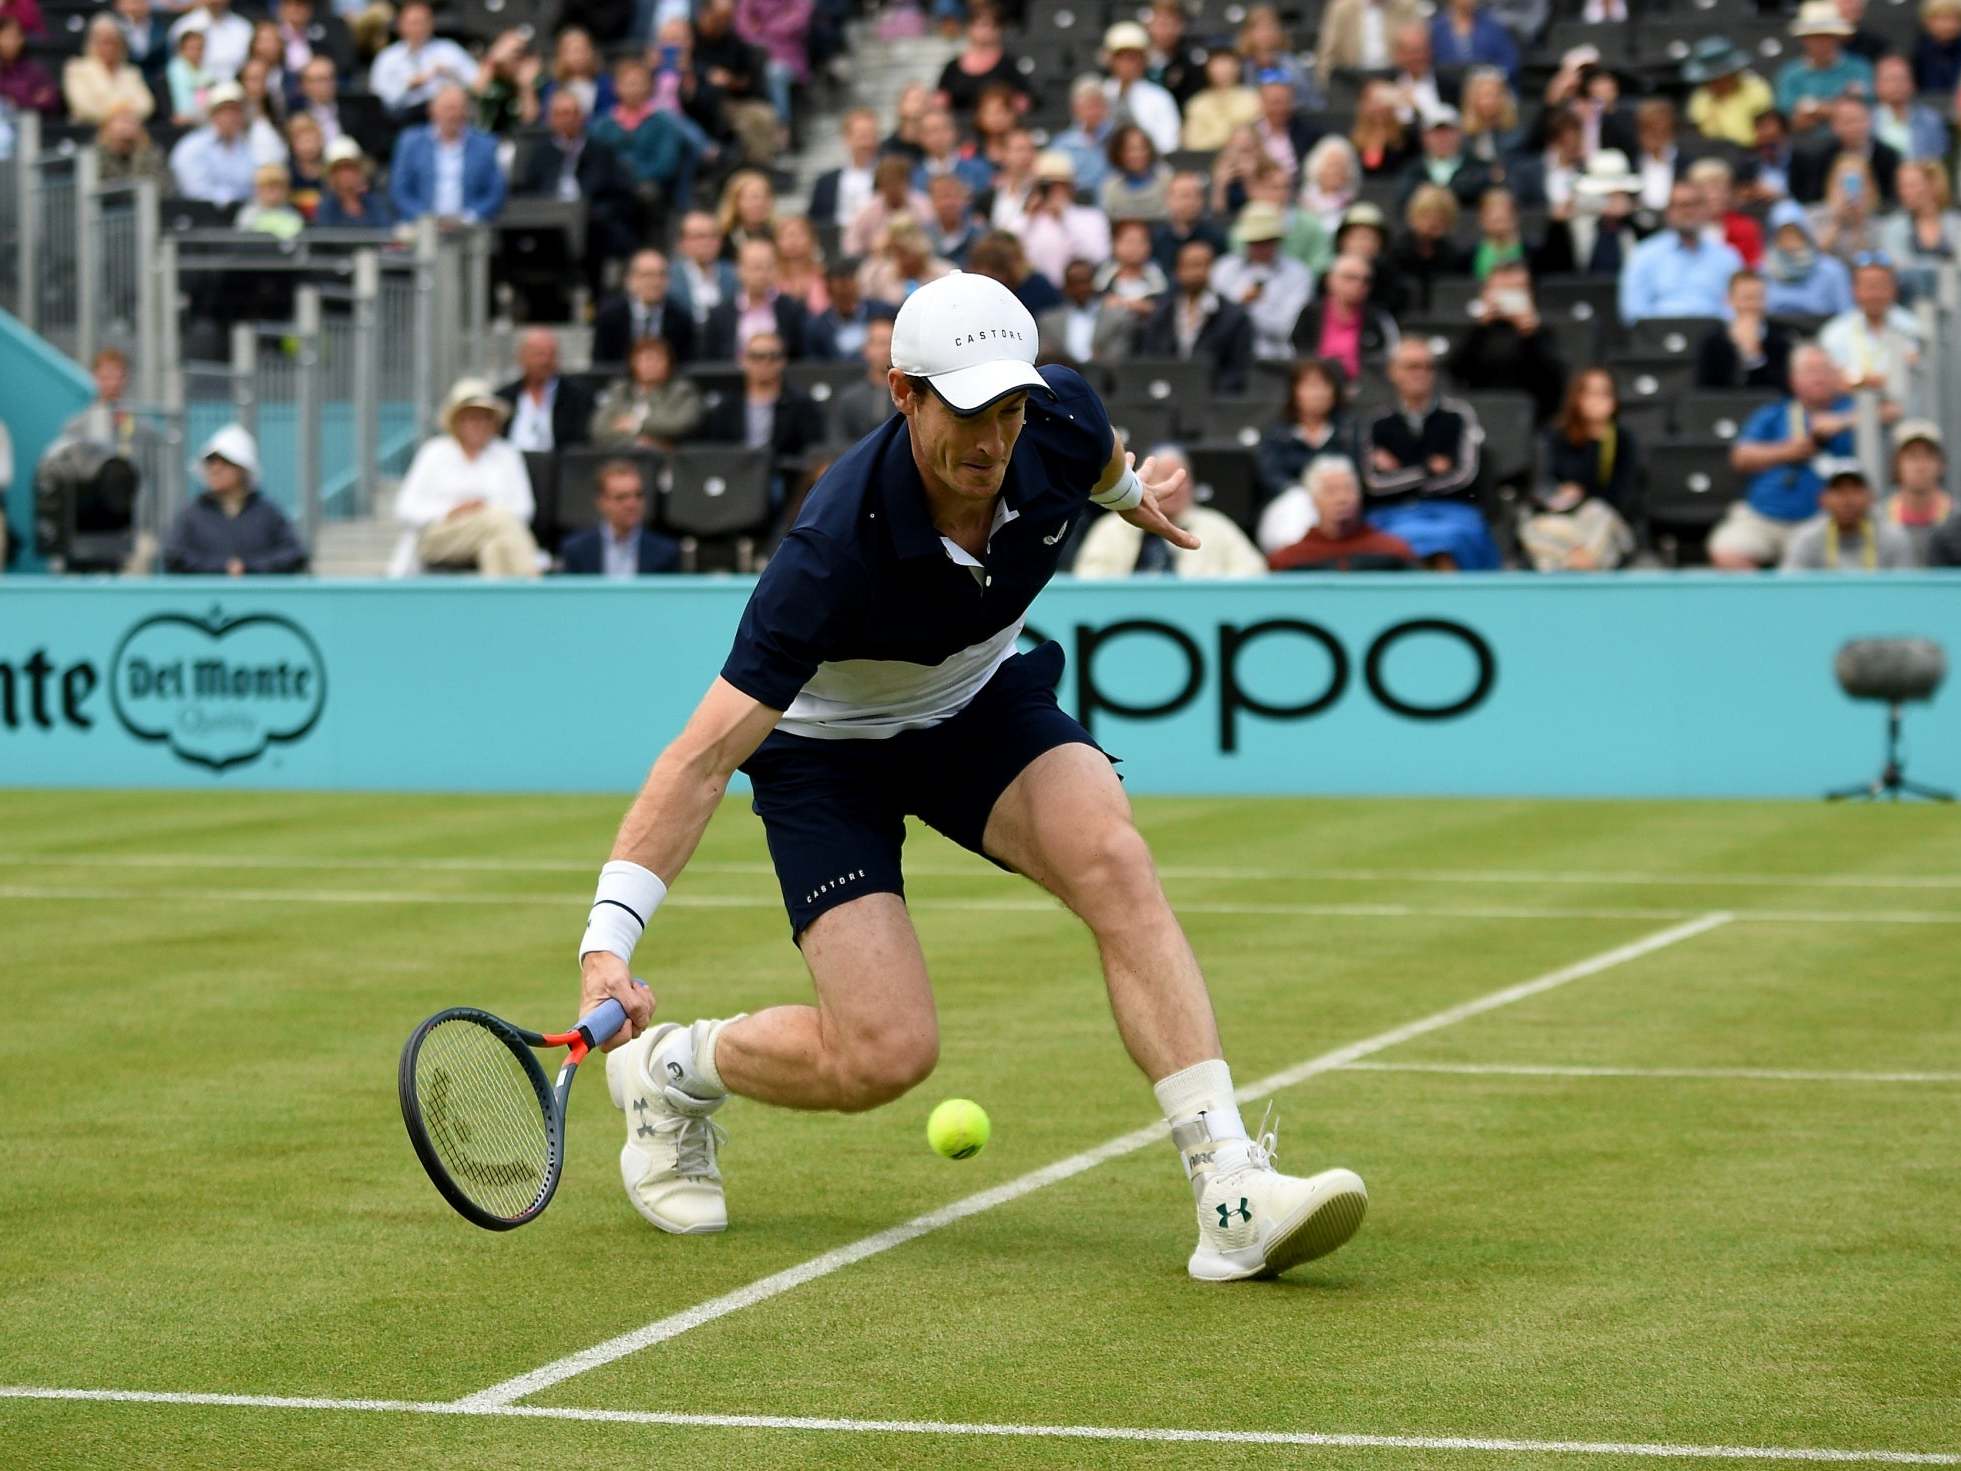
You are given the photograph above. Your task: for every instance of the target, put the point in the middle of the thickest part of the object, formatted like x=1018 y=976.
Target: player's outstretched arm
x=665 y=823
x=1146 y=515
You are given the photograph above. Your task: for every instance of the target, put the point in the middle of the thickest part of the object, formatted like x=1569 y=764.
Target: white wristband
x=627 y=897
x=1125 y=494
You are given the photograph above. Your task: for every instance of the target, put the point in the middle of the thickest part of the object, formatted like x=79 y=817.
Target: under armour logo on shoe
x=639 y=1105
x=1226 y=1212
x=645 y=1131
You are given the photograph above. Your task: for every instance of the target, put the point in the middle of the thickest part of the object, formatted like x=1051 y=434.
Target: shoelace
x=1265 y=1146
x=695 y=1141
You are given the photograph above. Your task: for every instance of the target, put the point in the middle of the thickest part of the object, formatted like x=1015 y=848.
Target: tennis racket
x=484 y=1122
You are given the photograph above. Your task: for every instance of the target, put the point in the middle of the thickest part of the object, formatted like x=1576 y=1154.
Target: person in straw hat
x=1728 y=95
x=348 y=203
x=1272 y=288
x=467 y=495
x=1594 y=232
x=1808 y=83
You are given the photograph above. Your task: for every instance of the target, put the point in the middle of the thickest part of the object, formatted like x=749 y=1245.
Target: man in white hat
x=1272 y=288
x=1597 y=228
x=874 y=676
x=1807 y=84
x=215 y=162
x=1133 y=96
x=231 y=529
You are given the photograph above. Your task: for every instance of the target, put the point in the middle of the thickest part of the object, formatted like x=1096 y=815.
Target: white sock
x=1205 y=1124
x=692 y=1050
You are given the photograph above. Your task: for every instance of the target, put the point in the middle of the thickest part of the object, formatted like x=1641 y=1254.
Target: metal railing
x=336 y=348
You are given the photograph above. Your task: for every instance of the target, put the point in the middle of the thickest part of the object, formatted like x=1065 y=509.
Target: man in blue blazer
x=447 y=168
x=620 y=546
x=702 y=280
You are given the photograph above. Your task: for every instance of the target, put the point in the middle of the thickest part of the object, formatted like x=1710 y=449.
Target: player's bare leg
x=872 y=1035
x=1066 y=823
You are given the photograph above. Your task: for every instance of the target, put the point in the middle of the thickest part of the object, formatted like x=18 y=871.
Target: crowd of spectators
x=1349 y=218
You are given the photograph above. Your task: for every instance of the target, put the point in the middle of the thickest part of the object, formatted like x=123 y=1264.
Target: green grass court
x=1703 y=1192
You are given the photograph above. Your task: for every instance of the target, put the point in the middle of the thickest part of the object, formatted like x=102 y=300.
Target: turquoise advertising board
x=1628 y=686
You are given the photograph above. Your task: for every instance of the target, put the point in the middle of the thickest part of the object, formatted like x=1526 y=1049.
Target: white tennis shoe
x=1254 y=1221
x=668 y=1160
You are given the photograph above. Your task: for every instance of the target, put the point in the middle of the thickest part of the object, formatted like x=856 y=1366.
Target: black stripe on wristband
x=627 y=907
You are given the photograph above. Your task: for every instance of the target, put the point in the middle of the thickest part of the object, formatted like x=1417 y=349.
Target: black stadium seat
x=1718 y=413
x=1142 y=424
x=719 y=494
x=1670 y=336
x=542 y=467
x=1653 y=379
x=1170 y=381
x=1222 y=478
x=1690 y=486
x=1511 y=442
x=1239 y=421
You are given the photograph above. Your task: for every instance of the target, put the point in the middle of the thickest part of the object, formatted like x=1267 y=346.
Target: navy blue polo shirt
x=867 y=622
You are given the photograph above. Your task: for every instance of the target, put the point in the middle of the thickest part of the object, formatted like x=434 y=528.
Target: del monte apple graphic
x=218 y=690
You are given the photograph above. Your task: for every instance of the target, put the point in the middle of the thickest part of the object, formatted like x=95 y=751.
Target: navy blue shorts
x=834 y=811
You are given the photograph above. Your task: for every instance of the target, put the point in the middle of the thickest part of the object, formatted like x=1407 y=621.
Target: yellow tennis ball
x=958 y=1128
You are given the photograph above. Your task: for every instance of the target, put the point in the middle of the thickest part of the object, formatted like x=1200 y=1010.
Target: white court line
x=1740 y=1074
x=1576 y=877
x=674 y=1325
x=34 y=893
x=671 y=1418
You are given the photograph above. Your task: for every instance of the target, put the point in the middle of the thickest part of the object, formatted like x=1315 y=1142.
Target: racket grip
x=602 y=1021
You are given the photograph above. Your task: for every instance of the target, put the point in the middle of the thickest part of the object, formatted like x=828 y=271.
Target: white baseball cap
x=970 y=337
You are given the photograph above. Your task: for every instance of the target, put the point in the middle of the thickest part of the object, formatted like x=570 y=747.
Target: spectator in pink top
x=28 y=13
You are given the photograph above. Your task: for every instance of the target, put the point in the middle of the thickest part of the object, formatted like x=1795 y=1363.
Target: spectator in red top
x=1718 y=183
x=28 y=13
x=23 y=80
x=1341 y=541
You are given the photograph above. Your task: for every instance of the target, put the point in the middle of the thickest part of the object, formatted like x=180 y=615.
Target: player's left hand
x=1147 y=515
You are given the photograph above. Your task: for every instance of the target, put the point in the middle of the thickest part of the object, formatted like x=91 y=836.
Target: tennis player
x=875 y=676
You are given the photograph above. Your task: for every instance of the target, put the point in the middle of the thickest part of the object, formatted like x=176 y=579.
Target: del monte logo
x=218 y=690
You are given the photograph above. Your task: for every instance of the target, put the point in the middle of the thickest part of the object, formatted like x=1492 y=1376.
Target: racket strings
x=482 y=1113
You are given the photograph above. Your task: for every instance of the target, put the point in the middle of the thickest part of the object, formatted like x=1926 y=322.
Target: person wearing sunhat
x=1728 y=95
x=1595 y=234
x=467 y=496
x=215 y=163
x=1918 y=505
x=1826 y=70
x=1058 y=230
x=348 y=203
x=1845 y=536
x=1272 y=288
x=231 y=529
x=1133 y=96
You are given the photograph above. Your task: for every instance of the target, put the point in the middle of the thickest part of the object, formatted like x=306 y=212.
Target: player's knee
x=1113 y=874
x=882 y=1068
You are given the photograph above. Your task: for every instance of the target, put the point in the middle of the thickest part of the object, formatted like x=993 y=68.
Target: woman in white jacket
x=467 y=497
x=1115 y=548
